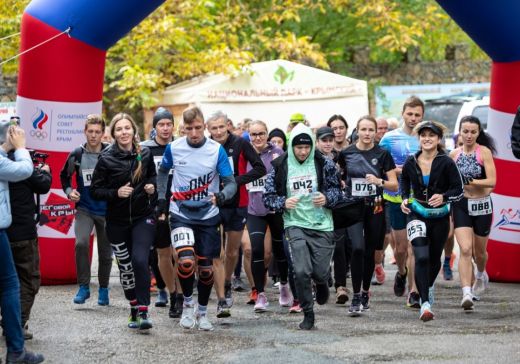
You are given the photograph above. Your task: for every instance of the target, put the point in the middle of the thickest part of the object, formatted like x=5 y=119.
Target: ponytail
x=139 y=170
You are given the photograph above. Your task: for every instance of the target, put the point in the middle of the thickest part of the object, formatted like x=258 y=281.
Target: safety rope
x=10 y=36
x=66 y=31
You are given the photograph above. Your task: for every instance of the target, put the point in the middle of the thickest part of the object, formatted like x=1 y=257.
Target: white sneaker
x=286 y=297
x=426 y=312
x=261 y=303
x=203 y=323
x=481 y=284
x=467 y=302
x=188 y=317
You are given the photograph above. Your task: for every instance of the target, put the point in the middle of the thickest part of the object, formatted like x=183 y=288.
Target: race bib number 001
x=182 y=236
x=479 y=206
x=361 y=188
x=257 y=185
x=87 y=176
x=302 y=186
x=415 y=229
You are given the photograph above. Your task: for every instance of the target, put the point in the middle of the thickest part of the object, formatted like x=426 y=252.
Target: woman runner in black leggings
x=366 y=169
x=429 y=182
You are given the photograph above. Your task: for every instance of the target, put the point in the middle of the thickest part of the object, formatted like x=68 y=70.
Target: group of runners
x=188 y=209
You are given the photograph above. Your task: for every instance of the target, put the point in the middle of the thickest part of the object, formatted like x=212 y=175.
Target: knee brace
x=183 y=241
x=205 y=270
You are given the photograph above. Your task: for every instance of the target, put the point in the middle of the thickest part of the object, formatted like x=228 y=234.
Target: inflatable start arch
x=62 y=82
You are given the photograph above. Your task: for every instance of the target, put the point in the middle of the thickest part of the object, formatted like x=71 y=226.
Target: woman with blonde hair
x=125 y=177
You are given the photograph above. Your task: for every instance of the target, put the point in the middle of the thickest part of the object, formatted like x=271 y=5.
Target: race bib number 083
x=361 y=188
x=182 y=236
x=415 y=229
x=480 y=206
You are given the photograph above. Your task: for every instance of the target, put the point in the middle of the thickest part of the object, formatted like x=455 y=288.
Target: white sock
x=188 y=301
x=203 y=310
x=466 y=290
x=479 y=274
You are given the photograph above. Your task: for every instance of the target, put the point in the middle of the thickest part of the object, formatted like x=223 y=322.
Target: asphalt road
x=390 y=332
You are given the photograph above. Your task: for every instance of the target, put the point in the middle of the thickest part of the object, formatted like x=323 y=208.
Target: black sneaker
x=26 y=357
x=176 y=302
x=400 y=283
x=413 y=300
x=308 y=320
x=223 y=309
x=322 y=294
x=238 y=285
x=355 y=305
x=143 y=320
x=228 y=294
x=365 y=297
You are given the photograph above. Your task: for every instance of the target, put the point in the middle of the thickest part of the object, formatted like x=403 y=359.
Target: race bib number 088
x=182 y=236
x=257 y=185
x=480 y=206
x=415 y=229
x=361 y=188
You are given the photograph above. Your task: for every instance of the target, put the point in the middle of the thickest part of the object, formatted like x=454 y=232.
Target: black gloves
x=220 y=198
x=161 y=208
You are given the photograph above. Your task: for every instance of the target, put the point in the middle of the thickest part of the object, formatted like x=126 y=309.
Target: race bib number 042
x=182 y=236
x=480 y=206
x=302 y=186
x=361 y=188
x=415 y=229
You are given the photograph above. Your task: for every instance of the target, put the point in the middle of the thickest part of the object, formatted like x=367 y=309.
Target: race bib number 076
x=361 y=188
x=182 y=236
x=480 y=206
x=415 y=229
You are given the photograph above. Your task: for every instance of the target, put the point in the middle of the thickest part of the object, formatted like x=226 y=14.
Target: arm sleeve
x=19 y=169
x=40 y=182
x=66 y=174
x=223 y=166
x=456 y=189
x=404 y=181
x=271 y=199
x=258 y=169
x=331 y=184
x=230 y=187
x=98 y=188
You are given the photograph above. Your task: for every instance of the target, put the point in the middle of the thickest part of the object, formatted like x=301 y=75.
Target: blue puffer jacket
x=12 y=171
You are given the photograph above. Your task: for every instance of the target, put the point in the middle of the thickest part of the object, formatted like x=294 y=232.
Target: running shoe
x=223 y=309
x=431 y=295
x=188 y=320
x=25 y=357
x=286 y=297
x=400 y=283
x=238 y=285
x=413 y=300
x=446 y=271
x=365 y=298
x=355 y=306
x=103 y=299
x=253 y=295
x=308 y=321
x=203 y=323
x=162 y=298
x=322 y=293
x=467 y=302
x=143 y=319
x=82 y=295
x=261 y=303
x=341 y=295
x=295 y=308
x=481 y=284
x=228 y=294
x=380 y=274
x=426 y=312
x=176 y=302
x=132 y=319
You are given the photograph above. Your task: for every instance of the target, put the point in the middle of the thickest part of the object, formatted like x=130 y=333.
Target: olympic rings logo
x=38 y=134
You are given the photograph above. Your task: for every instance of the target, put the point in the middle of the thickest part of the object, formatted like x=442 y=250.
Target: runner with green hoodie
x=304 y=186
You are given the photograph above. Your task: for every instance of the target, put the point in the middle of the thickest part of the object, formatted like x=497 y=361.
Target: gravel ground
x=390 y=332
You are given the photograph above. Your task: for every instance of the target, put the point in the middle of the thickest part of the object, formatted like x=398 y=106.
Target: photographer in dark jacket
x=125 y=177
x=23 y=236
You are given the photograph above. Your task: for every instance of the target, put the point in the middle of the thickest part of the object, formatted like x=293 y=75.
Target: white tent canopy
x=271 y=91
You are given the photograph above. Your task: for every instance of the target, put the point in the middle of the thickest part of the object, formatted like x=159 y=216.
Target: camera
x=38 y=158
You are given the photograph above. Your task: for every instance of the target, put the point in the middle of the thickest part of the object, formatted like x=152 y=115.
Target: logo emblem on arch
x=39 y=119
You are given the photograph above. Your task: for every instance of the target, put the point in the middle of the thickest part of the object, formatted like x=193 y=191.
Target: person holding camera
x=23 y=234
x=12 y=171
x=89 y=212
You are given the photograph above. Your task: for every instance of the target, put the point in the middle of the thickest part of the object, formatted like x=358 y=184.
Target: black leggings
x=342 y=257
x=366 y=236
x=131 y=245
x=428 y=251
x=257 y=227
